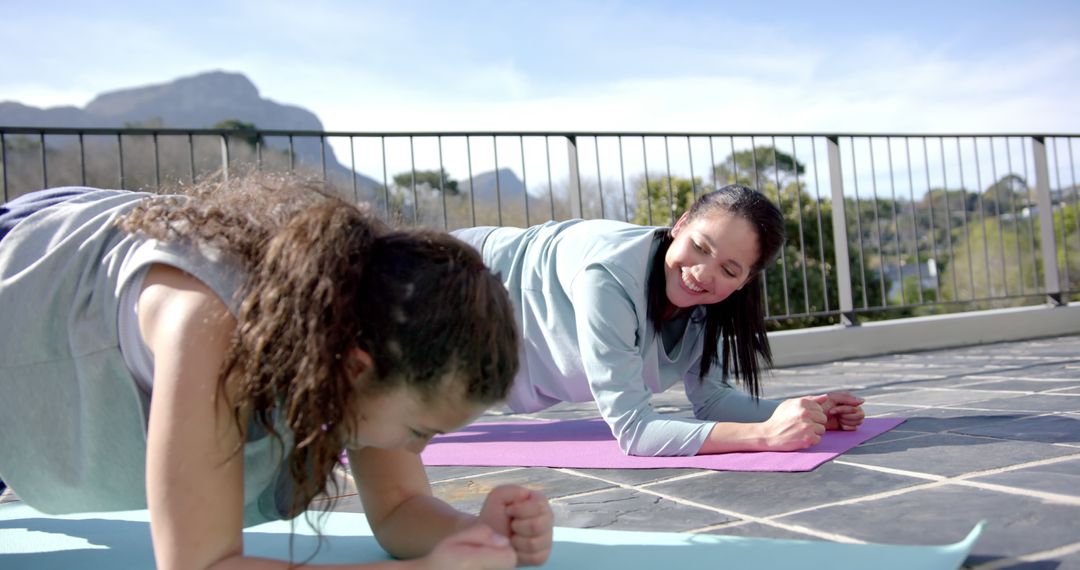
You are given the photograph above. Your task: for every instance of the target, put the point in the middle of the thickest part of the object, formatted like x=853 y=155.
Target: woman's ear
x=679 y=224
x=357 y=362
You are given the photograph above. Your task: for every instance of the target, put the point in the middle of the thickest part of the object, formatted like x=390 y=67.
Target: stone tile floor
x=992 y=433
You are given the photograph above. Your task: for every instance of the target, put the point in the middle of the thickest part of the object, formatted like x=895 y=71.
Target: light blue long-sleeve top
x=580 y=290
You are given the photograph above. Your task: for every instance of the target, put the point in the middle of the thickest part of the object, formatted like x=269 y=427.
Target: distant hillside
x=195 y=102
x=486 y=187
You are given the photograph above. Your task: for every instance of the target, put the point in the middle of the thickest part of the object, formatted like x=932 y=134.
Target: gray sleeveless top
x=72 y=420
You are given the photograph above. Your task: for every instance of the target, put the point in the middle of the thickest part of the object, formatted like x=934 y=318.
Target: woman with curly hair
x=209 y=354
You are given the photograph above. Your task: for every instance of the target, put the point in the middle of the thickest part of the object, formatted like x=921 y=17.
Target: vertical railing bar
x=412 y=171
x=979 y=190
x=224 y=156
x=44 y=167
x=821 y=234
x=551 y=184
x=352 y=165
x=442 y=185
x=915 y=218
x=120 y=158
x=322 y=159
x=754 y=164
x=1076 y=196
x=997 y=212
x=157 y=164
x=191 y=157
x=858 y=222
x=1031 y=216
x=575 y=160
x=498 y=186
x=757 y=186
x=292 y=155
x=693 y=182
x=877 y=224
x=948 y=219
x=82 y=160
x=599 y=181
x=1012 y=210
x=1064 y=230
x=712 y=164
x=4 y=166
x=896 y=222
x=472 y=182
x=1046 y=223
x=385 y=179
x=648 y=190
x=933 y=236
x=622 y=177
x=780 y=205
x=670 y=192
x=840 y=233
x=259 y=158
x=802 y=237
x=734 y=165
x=963 y=202
x=524 y=179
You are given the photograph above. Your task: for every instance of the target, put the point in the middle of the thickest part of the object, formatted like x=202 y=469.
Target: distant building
x=926 y=272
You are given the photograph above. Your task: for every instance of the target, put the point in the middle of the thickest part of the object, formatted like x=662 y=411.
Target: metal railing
x=928 y=223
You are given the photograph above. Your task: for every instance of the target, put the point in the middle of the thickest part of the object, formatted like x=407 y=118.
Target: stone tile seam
x=784 y=526
x=969 y=475
x=1071 y=500
x=728 y=513
x=477 y=475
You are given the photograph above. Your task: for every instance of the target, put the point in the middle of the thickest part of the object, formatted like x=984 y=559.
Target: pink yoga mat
x=589 y=444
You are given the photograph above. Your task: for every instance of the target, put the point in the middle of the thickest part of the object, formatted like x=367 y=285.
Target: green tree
x=660 y=201
x=427 y=179
x=241 y=130
x=757 y=168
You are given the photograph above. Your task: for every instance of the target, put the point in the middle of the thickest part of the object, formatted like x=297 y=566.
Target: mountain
x=195 y=102
x=503 y=182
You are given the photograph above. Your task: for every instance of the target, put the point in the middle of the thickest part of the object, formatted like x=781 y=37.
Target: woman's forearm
x=414 y=528
x=731 y=436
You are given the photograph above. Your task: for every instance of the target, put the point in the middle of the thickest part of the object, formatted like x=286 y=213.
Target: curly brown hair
x=323 y=277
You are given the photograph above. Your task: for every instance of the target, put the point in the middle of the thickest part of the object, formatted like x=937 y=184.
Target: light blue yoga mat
x=121 y=541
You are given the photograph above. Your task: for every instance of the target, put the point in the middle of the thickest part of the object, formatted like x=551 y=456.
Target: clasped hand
x=514 y=528
x=799 y=423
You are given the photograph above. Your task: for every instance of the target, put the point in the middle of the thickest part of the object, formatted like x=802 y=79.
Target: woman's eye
x=698 y=247
x=417 y=434
x=729 y=272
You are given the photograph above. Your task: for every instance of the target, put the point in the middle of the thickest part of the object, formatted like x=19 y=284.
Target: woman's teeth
x=689 y=284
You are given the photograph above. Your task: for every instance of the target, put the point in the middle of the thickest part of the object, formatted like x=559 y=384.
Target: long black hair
x=734 y=327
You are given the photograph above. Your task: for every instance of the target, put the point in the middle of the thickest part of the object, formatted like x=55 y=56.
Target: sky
x=678 y=66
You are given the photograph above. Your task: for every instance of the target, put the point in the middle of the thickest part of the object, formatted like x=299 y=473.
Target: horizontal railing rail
x=880 y=225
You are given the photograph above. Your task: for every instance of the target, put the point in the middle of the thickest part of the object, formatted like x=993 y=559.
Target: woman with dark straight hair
x=615 y=312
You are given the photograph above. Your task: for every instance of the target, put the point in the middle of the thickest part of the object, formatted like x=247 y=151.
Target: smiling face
x=710 y=258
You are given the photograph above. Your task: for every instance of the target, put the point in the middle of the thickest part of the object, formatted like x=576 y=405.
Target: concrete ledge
x=826 y=344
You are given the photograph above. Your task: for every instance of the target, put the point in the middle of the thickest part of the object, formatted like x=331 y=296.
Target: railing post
x=3 y=166
x=225 y=157
x=1045 y=210
x=574 y=187
x=840 y=237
